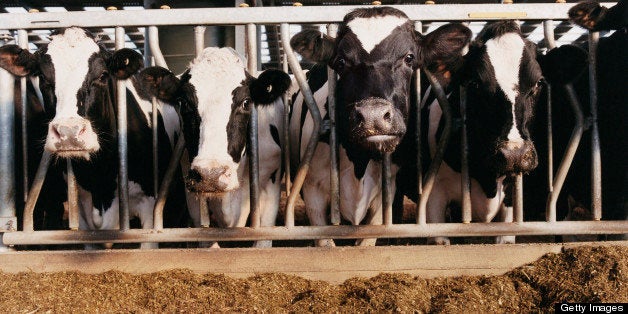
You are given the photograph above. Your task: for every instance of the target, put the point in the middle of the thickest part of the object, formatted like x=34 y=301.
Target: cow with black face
x=215 y=95
x=375 y=55
x=77 y=80
x=503 y=81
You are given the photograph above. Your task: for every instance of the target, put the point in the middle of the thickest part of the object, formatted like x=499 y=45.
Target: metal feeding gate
x=250 y=18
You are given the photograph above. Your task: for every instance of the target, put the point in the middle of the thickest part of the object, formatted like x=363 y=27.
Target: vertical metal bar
x=7 y=154
x=333 y=140
x=154 y=129
x=596 y=161
x=518 y=198
x=164 y=188
x=440 y=151
x=33 y=194
x=155 y=50
x=550 y=42
x=253 y=147
x=387 y=191
x=199 y=39
x=316 y=119
x=205 y=221
x=418 y=26
x=22 y=39
x=548 y=32
x=123 y=179
x=286 y=130
x=464 y=159
x=73 y=212
x=570 y=152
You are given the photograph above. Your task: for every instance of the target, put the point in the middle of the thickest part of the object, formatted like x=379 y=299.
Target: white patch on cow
x=505 y=53
x=371 y=31
x=169 y=115
x=70 y=53
x=215 y=74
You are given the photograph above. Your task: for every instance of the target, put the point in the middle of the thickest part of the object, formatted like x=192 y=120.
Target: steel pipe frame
x=73 y=205
x=418 y=26
x=596 y=159
x=253 y=145
x=334 y=171
x=123 y=178
x=199 y=46
x=286 y=130
x=316 y=232
x=464 y=169
x=22 y=41
x=316 y=129
x=33 y=193
x=7 y=153
x=277 y=15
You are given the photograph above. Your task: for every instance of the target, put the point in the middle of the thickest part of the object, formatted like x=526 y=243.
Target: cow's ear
x=157 y=82
x=563 y=64
x=313 y=45
x=18 y=61
x=270 y=85
x=443 y=50
x=125 y=62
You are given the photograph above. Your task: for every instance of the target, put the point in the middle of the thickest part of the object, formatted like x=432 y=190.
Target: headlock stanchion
x=251 y=18
x=464 y=161
x=334 y=184
x=596 y=161
x=22 y=40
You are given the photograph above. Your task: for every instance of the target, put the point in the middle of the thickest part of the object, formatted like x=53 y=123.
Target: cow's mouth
x=380 y=143
x=381 y=138
x=208 y=185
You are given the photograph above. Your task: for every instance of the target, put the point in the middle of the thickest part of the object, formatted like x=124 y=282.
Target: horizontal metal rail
x=315 y=232
x=277 y=15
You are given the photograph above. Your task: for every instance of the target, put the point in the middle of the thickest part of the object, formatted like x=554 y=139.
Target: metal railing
x=284 y=16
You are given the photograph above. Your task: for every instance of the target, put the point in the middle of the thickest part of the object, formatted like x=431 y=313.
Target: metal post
x=387 y=191
x=199 y=39
x=155 y=129
x=22 y=39
x=33 y=194
x=153 y=44
x=316 y=119
x=550 y=42
x=164 y=189
x=334 y=196
x=123 y=179
x=570 y=152
x=596 y=161
x=286 y=130
x=518 y=198
x=418 y=26
x=464 y=159
x=73 y=212
x=7 y=176
x=428 y=184
x=253 y=146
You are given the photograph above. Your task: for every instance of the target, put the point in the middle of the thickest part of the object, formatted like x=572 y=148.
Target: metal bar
x=22 y=39
x=418 y=26
x=33 y=194
x=205 y=221
x=73 y=211
x=550 y=139
x=155 y=129
x=164 y=189
x=570 y=152
x=7 y=136
x=518 y=198
x=123 y=178
x=253 y=145
x=548 y=32
x=153 y=41
x=286 y=131
x=464 y=159
x=199 y=39
x=596 y=159
x=387 y=191
x=316 y=232
x=334 y=189
x=430 y=178
x=316 y=119
x=274 y=15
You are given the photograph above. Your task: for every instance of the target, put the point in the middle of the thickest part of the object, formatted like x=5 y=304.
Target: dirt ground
x=584 y=274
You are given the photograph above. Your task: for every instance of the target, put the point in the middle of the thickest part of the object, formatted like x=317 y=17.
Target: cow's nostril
x=55 y=132
x=82 y=130
x=387 y=116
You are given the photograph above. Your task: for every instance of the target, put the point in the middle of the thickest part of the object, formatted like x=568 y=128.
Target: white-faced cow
x=502 y=79
x=216 y=94
x=77 y=80
x=375 y=55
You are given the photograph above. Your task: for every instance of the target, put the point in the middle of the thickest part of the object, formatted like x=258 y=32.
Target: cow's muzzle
x=71 y=137
x=516 y=157
x=376 y=125
x=214 y=179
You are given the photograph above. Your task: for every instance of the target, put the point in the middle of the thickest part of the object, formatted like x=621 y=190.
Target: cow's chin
x=74 y=154
x=380 y=143
x=208 y=188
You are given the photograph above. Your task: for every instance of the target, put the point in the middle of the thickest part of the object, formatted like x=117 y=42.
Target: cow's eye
x=409 y=58
x=104 y=76
x=340 y=65
x=245 y=104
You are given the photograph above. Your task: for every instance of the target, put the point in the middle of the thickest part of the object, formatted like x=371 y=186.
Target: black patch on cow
x=188 y=110
x=273 y=176
x=275 y=134
x=268 y=86
x=238 y=125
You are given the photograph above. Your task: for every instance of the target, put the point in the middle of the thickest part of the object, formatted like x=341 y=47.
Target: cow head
x=375 y=55
x=215 y=95
x=503 y=80
x=76 y=77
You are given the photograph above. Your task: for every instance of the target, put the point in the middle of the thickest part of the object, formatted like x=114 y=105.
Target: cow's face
x=76 y=82
x=216 y=96
x=375 y=56
x=503 y=81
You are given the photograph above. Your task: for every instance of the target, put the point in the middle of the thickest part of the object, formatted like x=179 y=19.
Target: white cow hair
x=371 y=31
x=505 y=53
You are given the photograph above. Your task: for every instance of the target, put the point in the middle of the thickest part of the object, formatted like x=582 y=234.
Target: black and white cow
x=375 y=55
x=502 y=79
x=215 y=95
x=77 y=80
